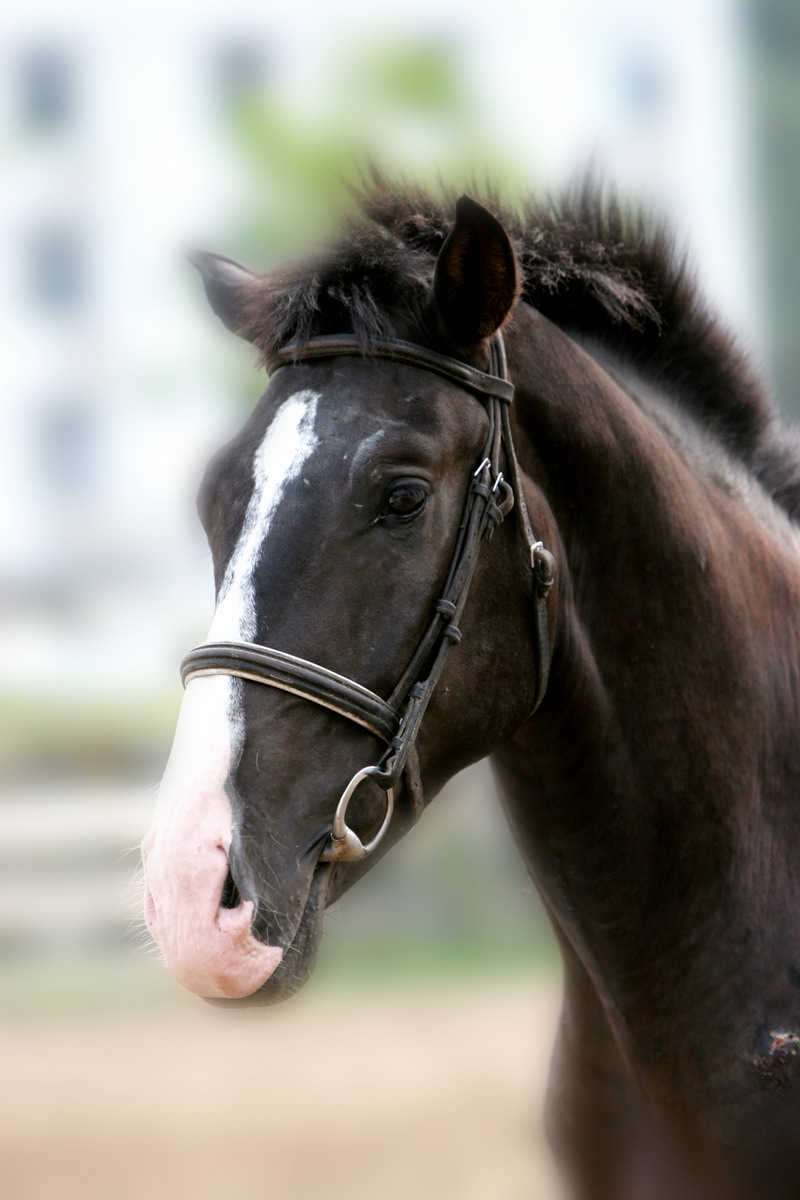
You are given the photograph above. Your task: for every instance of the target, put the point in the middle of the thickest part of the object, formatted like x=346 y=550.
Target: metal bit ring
x=344 y=845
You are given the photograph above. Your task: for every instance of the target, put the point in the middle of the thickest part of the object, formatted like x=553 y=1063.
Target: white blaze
x=287 y=445
x=289 y=442
x=210 y=949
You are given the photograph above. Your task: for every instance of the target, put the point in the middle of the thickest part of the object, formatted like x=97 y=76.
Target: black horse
x=653 y=790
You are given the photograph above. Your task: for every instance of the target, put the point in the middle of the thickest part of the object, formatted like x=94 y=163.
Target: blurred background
x=129 y=133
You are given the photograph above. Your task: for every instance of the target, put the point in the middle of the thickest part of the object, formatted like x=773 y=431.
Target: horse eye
x=405 y=501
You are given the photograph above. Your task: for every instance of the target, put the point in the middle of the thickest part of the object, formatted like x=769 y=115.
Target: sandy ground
x=360 y=1095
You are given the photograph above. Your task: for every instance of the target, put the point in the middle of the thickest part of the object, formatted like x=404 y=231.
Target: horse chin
x=299 y=956
x=329 y=881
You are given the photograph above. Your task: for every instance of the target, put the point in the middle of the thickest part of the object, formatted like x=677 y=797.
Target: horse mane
x=590 y=265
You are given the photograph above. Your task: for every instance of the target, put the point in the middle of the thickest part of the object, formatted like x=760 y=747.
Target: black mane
x=588 y=265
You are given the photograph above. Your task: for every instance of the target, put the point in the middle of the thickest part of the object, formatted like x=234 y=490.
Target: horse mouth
x=299 y=954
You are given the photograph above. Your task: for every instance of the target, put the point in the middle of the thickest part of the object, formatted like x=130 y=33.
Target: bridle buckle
x=543 y=566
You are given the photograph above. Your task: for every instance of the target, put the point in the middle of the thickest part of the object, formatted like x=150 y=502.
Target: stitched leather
x=261 y=664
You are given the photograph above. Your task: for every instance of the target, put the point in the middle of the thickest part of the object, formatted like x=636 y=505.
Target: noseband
x=396 y=721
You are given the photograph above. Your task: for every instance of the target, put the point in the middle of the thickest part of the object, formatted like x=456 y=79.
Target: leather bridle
x=490 y=498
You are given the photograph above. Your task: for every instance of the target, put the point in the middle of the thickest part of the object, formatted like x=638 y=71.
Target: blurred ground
x=431 y=1093
x=451 y=902
x=413 y=1063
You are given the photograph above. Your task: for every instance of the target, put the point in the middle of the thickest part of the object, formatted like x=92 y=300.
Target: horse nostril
x=230 y=897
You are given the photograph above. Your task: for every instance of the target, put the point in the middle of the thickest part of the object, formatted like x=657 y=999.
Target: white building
x=114 y=378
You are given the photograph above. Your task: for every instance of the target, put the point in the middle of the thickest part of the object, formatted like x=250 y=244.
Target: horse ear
x=227 y=284
x=476 y=280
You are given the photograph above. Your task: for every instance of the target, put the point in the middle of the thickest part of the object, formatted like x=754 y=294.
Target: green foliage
x=416 y=960
x=420 y=78
x=117 y=734
x=405 y=107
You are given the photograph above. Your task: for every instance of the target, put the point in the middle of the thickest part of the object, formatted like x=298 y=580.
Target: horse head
x=347 y=520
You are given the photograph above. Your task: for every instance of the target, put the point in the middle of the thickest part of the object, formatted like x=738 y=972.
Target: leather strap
x=261 y=664
x=541 y=560
x=338 y=345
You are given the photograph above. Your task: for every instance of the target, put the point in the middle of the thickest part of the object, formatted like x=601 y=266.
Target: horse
x=513 y=491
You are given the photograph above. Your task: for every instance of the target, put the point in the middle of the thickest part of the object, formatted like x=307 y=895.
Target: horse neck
x=638 y=792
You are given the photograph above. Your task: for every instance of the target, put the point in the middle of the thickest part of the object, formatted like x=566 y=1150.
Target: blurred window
x=775 y=65
x=56 y=269
x=47 y=89
x=774 y=27
x=67 y=448
x=240 y=72
x=644 y=89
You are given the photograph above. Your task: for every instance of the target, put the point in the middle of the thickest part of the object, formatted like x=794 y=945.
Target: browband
x=335 y=345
